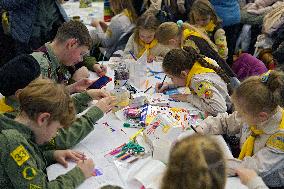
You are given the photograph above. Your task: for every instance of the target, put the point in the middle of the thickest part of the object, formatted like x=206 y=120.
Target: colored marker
x=118 y=148
x=132 y=54
x=136 y=134
x=147 y=89
x=121 y=154
x=193 y=129
x=125 y=156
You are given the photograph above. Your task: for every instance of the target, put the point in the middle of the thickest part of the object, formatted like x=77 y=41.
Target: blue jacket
x=228 y=11
x=22 y=14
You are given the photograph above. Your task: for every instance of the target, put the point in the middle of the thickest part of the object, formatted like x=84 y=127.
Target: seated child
x=203 y=15
x=106 y=36
x=143 y=39
x=22 y=70
x=182 y=34
x=195 y=162
x=45 y=107
x=198 y=162
x=206 y=81
x=259 y=120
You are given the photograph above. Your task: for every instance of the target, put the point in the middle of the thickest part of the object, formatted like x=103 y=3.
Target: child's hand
x=98 y=94
x=180 y=97
x=81 y=73
x=87 y=167
x=95 y=23
x=160 y=89
x=106 y=104
x=181 y=8
x=246 y=175
x=80 y=85
x=62 y=155
x=151 y=58
x=103 y=25
x=100 y=69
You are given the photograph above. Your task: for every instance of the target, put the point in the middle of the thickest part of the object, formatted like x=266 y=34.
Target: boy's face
x=147 y=36
x=174 y=43
x=178 y=80
x=74 y=54
x=47 y=131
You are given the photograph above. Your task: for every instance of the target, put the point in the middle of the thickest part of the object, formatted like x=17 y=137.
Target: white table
x=103 y=139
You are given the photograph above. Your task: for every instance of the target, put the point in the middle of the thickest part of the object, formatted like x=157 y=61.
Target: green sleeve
x=27 y=170
x=49 y=157
x=89 y=62
x=81 y=101
x=69 y=137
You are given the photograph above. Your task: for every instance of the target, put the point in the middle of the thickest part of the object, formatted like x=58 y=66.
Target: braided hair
x=178 y=60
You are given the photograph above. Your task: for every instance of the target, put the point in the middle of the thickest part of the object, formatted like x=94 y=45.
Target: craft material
x=163 y=81
x=193 y=129
x=147 y=89
x=132 y=54
x=97 y=172
x=136 y=134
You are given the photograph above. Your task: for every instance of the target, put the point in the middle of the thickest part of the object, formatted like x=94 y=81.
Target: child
x=206 y=81
x=195 y=162
x=143 y=39
x=198 y=162
x=108 y=35
x=182 y=34
x=45 y=107
x=22 y=70
x=259 y=120
x=203 y=15
x=70 y=45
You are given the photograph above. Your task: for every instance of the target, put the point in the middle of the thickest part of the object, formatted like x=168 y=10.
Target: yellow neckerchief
x=197 y=69
x=188 y=32
x=4 y=107
x=210 y=26
x=146 y=46
x=247 y=148
x=128 y=14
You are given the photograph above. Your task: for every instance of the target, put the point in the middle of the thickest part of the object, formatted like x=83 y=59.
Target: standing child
x=107 y=35
x=45 y=107
x=179 y=35
x=259 y=120
x=206 y=81
x=144 y=39
x=195 y=162
x=202 y=14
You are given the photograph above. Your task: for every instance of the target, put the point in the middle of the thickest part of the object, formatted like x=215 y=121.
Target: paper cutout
x=97 y=172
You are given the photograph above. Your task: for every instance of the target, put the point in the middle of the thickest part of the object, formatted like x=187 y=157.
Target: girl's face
x=174 y=43
x=201 y=20
x=178 y=80
x=147 y=36
x=47 y=131
x=245 y=115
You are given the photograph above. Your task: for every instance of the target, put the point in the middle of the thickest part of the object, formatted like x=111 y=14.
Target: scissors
x=133 y=148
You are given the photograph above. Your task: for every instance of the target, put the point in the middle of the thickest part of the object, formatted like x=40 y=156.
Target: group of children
x=38 y=123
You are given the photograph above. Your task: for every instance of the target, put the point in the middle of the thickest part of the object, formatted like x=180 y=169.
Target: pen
x=136 y=134
x=147 y=89
x=163 y=81
x=83 y=157
x=193 y=129
x=132 y=54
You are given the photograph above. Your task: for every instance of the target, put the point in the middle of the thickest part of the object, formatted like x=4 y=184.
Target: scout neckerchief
x=210 y=26
x=128 y=14
x=146 y=46
x=196 y=69
x=5 y=107
x=247 y=148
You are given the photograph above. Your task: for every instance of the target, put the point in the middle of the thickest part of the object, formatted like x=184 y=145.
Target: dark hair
x=18 y=73
x=178 y=60
x=261 y=93
x=76 y=30
x=195 y=162
x=147 y=21
x=44 y=95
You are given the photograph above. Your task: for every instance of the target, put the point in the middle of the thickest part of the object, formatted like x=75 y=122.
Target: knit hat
x=18 y=73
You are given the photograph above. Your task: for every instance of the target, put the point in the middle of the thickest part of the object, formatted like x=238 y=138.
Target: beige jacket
x=268 y=159
x=158 y=51
x=219 y=100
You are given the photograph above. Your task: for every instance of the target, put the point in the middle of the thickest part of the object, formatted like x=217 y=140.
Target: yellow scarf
x=247 y=148
x=146 y=46
x=188 y=32
x=128 y=14
x=4 y=107
x=210 y=26
x=196 y=69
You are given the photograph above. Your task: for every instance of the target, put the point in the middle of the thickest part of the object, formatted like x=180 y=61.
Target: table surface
x=105 y=138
